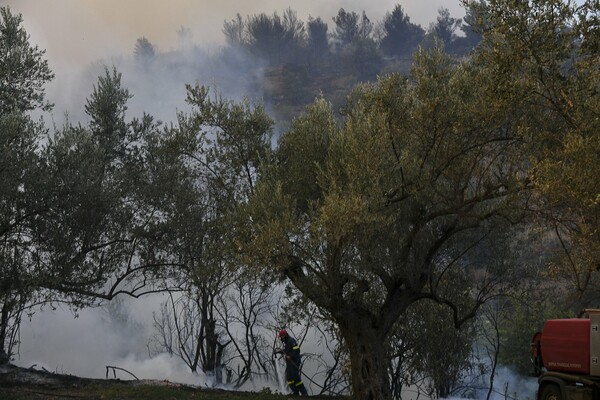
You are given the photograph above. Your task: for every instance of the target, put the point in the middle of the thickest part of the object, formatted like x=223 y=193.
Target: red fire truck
x=566 y=358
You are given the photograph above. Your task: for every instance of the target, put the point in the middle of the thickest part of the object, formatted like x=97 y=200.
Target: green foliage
x=23 y=71
x=207 y=167
x=21 y=203
x=234 y=31
x=237 y=136
x=303 y=152
x=442 y=356
x=346 y=27
x=263 y=32
x=426 y=351
x=106 y=107
x=313 y=60
x=270 y=38
x=475 y=21
x=401 y=36
x=521 y=322
x=96 y=229
x=548 y=50
x=317 y=42
x=365 y=57
x=411 y=196
x=445 y=26
x=397 y=204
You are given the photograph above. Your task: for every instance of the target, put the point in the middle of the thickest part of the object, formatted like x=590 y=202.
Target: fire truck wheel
x=550 y=392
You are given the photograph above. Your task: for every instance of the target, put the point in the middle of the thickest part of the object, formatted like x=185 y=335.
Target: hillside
x=22 y=383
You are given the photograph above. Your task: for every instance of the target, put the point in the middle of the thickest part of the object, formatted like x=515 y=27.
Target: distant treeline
x=304 y=59
x=287 y=39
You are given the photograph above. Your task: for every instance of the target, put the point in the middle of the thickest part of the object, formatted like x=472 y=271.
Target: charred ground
x=30 y=383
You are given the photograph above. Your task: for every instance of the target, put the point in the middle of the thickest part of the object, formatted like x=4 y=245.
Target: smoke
x=508 y=385
x=85 y=344
x=157 y=86
x=117 y=334
x=78 y=32
x=82 y=36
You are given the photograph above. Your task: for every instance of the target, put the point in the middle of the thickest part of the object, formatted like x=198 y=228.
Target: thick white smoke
x=99 y=337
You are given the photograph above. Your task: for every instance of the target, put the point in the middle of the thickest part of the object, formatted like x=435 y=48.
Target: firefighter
x=293 y=361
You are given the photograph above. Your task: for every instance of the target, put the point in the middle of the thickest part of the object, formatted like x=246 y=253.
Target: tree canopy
x=23 y=74
x=23 y=70
x=415 y=191
x=400 y=35
x=394 y=205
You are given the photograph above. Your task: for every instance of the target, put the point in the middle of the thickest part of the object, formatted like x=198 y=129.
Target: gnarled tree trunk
x=368 y=364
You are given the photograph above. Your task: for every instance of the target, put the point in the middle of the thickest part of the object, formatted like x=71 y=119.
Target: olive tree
x=21 y=175
x=218 y=150
x=545 y=52
x=395 y=205
x=23 y=73
x=23 y=70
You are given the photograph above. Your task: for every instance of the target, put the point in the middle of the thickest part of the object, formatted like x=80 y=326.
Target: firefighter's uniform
x=293 y=361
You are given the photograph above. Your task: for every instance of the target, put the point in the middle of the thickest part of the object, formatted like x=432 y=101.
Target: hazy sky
x=80 y=31
x=79 y=34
